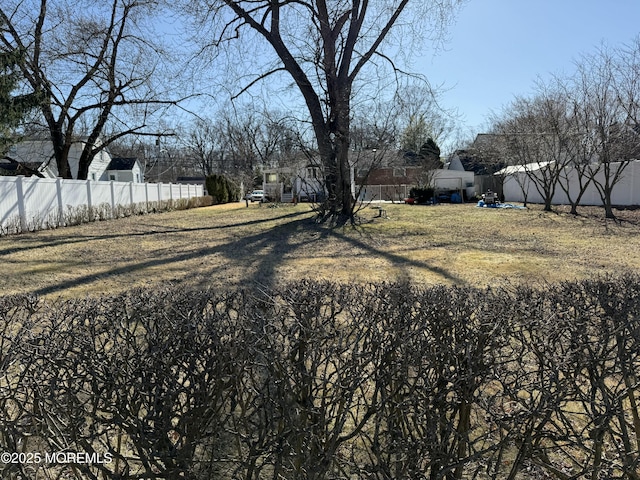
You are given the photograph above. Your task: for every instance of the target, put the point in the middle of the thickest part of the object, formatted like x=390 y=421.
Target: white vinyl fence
x=32 y=203
x=625 y=192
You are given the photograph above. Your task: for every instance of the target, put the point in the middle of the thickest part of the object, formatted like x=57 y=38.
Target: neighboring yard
x=230 y=245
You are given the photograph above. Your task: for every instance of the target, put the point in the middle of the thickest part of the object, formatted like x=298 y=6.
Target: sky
x=498 y=48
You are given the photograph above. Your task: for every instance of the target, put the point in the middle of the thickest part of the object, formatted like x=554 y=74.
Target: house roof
x=529 y=167
x=192 y=180
x=118 y=163
x=20 y=168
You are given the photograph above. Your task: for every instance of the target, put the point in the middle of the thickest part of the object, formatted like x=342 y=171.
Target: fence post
x=146 y=197
x=113 y=199
x=89 y=201
x=60 y=204
x=159 y=196
x=131 y=198
x=21 y=207
x=632 y=174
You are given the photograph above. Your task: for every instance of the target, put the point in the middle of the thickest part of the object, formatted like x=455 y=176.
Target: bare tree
x=94 y=63
x=535 y=137
x=580 y=151
x=325 y=48
x=421 y=116
x=607 y=115
x=207 y=146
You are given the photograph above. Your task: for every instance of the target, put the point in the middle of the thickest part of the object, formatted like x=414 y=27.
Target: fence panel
x=122 y=194
x=393 y=193
x=41 y=202
x=74 y=193
x=101 y=193
x=32 y=203
x=8 y=203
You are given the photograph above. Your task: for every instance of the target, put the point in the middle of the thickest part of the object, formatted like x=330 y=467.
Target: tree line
x=316 y=380
x=117 y=70
x=576 y=130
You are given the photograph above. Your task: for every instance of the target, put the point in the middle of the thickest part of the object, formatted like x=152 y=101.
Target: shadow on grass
x=41 y=240
x=397 y=260
x=256 y=256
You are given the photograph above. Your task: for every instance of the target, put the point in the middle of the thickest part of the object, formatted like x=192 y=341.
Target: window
x=93 y=176
x=312 y=172
x=272 y=178
x=112 y=177
x=399 y=172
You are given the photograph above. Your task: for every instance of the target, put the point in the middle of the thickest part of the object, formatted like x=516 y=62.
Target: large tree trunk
x=61 y=154
x=338 y=207
x=59 y=143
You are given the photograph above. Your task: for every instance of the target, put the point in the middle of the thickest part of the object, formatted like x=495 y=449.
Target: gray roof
x=122 y=163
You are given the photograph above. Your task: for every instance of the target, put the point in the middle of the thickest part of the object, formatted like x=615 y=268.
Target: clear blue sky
x=498 y=48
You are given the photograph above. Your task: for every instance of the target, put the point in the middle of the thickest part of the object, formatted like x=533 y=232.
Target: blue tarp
x=500 y=205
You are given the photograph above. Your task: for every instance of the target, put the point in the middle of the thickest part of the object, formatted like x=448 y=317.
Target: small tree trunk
x=608 y=207
x=574 y=209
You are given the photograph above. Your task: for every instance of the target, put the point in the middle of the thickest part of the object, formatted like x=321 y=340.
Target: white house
x=384 y=183
x=40 y=152
x=303 y=183
x=124 y=170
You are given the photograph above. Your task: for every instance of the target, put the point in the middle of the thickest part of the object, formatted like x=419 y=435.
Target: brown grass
x=230 y=245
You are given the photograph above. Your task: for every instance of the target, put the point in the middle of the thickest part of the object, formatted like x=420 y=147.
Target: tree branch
x=24 y=167
x=258 y=79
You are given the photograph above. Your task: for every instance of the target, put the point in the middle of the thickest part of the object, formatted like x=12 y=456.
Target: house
x=124 y=170
x=375 y=175
x=394 y=183
x=401 y=175
x=387 y=183
x=304 y=182
x=39 y=153
x=483 y=158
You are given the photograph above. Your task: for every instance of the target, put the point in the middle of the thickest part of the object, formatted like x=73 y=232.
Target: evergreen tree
x=13 y=108
x=430 y=152
x=222 y=189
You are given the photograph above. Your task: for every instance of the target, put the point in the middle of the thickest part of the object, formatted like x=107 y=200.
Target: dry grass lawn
x=230 y=245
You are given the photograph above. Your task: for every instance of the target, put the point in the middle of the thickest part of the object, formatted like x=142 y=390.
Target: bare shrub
x=326 y=381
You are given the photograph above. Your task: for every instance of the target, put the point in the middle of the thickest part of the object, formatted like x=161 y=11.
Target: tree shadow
x=397 y=260
x=254 y=258
x=41 y=238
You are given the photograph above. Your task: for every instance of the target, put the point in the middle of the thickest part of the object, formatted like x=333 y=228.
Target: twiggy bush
x=326 y=381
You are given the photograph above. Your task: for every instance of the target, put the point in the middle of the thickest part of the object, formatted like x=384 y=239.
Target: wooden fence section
x=31 y=203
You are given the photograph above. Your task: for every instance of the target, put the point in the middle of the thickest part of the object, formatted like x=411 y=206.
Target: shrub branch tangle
x=324 y=381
